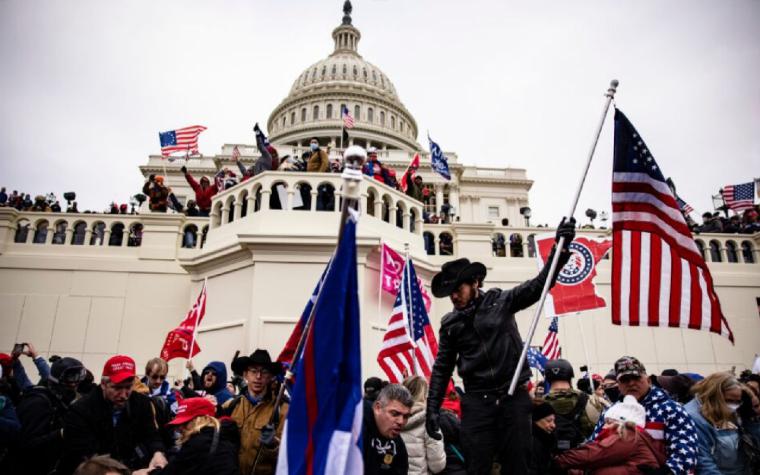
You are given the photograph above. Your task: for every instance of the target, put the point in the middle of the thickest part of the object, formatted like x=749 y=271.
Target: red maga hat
x=192 y=407
x=118 y=368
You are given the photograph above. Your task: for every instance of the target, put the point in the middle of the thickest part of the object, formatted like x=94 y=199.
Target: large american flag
x=659 y=277
x=181 y=140
x=551 y=348
x=348 y=119
x=739 y=197
x=409 y=346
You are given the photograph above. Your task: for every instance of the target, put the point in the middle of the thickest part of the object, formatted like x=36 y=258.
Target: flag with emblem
x=183 y=140
x=438 y=161
x=659 y=277
x=575 y=290
x=739 y=197
x=551 y=349
x=409 y=346
x=180 y=340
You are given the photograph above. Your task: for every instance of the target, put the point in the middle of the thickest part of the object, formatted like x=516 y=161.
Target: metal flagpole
x=408 y=301
x=553 y=267
x=585 y=352
x=352 y=177
x=195 y=330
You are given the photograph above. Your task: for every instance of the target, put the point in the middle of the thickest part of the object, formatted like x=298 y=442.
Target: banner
x=178 y=341
x=574 y=290
x=393 y=271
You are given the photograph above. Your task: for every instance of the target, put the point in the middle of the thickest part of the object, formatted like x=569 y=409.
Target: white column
x=225 y=214
x=438 y=197
x=238 y=209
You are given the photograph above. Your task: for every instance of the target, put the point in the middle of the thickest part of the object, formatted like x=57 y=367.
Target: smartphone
x=18 y=348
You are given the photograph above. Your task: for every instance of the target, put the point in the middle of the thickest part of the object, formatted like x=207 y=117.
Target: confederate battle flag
x=179 y=340
x=575 y=290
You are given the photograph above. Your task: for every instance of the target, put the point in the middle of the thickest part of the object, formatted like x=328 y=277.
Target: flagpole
x=585 y=352
x=409 y=303
x=380 y=274
x=610 y=95
x=352 y=177
x=195 y=330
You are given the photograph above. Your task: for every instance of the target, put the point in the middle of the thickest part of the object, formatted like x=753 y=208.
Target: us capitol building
x=78 y=285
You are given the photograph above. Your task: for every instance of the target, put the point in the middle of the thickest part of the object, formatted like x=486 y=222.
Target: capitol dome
x=313 y=105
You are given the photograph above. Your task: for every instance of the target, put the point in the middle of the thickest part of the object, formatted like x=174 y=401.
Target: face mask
x=733 y=407
x=613 y=393
x=314 y=147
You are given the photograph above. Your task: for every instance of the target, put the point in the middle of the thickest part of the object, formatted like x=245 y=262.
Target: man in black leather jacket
x=481 y=337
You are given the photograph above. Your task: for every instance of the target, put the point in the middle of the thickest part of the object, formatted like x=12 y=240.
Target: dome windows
x=292 y=118
x=370 y=115
x=382 y=118
x=303 y=114
x=324 y=71
x=345 y=70
x=356 y=71
x=328 y=111
x=315 y=115
x=393 y=122
x=357 y=112
x=334 y=70
x=364 y=73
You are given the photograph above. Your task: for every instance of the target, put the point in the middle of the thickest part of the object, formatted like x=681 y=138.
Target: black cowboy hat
x=257 y=358
x=454 y=273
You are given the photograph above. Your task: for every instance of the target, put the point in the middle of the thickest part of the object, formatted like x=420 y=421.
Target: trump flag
x=574 y=290
x=392 y=270
x=179 y=340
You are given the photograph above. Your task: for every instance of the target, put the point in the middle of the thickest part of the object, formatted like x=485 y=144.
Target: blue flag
x=439 y=163
x=323 y=426
x=536 y=359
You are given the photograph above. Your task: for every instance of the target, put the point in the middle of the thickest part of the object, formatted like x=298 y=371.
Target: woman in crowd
x=206 y=445
x=426 y=454
x=716 y=400
x=622 y=447
x=544 y=441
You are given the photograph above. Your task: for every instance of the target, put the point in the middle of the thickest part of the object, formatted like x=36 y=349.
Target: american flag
x=180 y=140
x=348 y=120
x=659 y=278
x=551 y=347
x=236 y=153
x=684 y=206
x=409 y=346
x=739 y=197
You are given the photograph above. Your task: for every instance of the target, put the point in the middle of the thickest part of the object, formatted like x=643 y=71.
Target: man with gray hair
x=384 y=449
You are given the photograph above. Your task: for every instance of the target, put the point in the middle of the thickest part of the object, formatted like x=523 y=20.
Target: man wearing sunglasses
x=666 y=421
x=41 y=412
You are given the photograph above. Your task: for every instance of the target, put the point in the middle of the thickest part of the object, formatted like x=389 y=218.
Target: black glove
x=183 y=169
x=267 y=436
x=152 y=177
x=566 y=229
x=432 y=425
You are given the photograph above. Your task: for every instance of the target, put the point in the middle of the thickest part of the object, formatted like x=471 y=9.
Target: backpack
x=568 y=431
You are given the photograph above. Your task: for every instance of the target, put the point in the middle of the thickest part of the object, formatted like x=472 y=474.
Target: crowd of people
x=215 y=422
x=745 y=223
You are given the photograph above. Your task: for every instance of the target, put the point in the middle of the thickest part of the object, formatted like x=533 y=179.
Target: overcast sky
x=86 y=85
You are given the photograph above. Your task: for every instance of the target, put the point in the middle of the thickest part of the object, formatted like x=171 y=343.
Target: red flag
x=178 y=341
x=575 y=290
x=392 y=270
x=410 y=170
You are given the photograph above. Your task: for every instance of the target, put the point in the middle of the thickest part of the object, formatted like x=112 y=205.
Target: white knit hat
x=629 y=410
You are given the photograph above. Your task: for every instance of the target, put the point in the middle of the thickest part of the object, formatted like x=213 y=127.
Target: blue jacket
x=719 y=452
x=668 y=423
x=219 y=390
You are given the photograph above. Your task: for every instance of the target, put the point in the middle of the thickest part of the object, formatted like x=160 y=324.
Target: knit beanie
x=628 y=410
x=542 y=410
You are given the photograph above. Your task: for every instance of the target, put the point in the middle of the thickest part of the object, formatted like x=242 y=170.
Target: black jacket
x=199 y=456
x=544 y=447
x=88 y=430
x=38 y=447
x=455 y=464
x=382 y=456
x=483 y=340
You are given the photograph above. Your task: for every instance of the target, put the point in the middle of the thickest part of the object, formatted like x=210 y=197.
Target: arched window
x=40 y=234
x=59 y=236
x=284 y=121
x=357 y=112
x=532 y=246
x=117 y=235
x=22 y=231
x=401 y=125
x=374 y=76
x=515 y=245
x=324 y=71
x=303 y=114
x=325 y=197
x=382 y=118
x=498 y=245
x=345 y=69
x=80 y=230
x=393 y=123
x=135 y=235
x=446 y=244
x=314 y=74
x=748 y=254
x=292 y=118
x=429 y=240
x=190 y=236
x=371 y=197
x=413 y=220
x=731 y=252
x=356 y=71
x=715 y=251
x=98 y=234
x=328 y=111
x=315 y=115
x=370 y=115
x=334 y=70
x=701 y=247
x=364 y=73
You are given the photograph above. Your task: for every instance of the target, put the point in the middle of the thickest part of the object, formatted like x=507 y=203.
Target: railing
x=312 y=192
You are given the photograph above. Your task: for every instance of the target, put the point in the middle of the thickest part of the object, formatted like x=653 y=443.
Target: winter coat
x=564 y=402
x=250 y=420
x=41 y=414
x=543 y=448
x=483 y=340
x=381 y=456
x=88 y=430
x=9 y=424
x=454 y=452
x=718 y=449
x=671 y=428
x=219 y=389
x=198 y=456
x=318 y=162
x=426 y=455
x=158 y=196
x=613 y=455
x=202 y=195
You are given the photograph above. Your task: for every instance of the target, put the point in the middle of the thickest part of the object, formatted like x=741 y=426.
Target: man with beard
x=41 y=412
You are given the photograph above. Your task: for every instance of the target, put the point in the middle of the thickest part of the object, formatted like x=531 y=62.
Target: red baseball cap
x=119 y=368
x=192 y=407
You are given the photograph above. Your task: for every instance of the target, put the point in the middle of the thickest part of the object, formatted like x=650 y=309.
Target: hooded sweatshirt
x=219 y=389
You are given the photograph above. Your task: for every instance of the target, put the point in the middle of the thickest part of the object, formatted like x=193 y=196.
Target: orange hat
x=159 y=179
